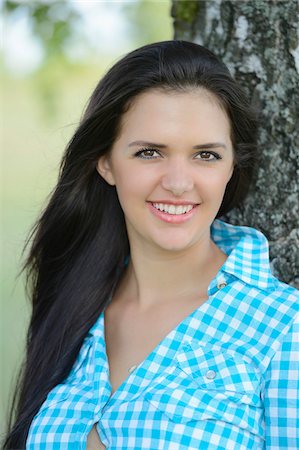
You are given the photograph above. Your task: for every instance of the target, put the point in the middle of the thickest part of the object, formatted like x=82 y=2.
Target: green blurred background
x=52 y=57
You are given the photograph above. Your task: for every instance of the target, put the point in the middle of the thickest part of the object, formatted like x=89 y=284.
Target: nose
x=177 y=178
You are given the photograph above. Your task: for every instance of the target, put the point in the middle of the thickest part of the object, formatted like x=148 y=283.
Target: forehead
x=190 y=94
x=191 y=109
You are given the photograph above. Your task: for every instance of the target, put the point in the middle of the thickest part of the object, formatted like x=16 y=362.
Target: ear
x=105 y=170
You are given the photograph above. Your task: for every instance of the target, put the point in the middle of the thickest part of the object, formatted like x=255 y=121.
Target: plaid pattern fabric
x=226 y=377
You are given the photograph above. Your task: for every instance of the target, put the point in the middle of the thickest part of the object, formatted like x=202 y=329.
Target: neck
x=153 y=278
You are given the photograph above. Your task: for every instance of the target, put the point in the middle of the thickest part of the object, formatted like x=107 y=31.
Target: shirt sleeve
x=281 y=394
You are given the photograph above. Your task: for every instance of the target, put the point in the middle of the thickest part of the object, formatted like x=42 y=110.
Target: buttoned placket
x=136 y=376
x=122 y=393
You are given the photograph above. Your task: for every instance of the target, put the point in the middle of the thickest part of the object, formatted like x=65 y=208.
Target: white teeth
x=172 y=209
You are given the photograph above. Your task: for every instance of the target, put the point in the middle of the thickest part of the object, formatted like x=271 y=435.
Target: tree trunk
x=258 y=41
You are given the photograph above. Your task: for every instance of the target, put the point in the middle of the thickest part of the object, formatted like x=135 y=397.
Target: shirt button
x=211 y=374
x=221 y=284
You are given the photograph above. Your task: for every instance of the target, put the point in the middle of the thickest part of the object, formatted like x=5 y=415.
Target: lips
x=172 y=218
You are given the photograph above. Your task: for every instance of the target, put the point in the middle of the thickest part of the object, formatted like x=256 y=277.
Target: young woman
x=156 y=325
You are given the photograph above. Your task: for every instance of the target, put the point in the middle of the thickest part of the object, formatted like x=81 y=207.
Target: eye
x=147 y=153
x=209 y=156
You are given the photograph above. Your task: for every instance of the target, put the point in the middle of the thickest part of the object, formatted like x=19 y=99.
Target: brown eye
x=209 y=156
x=146 y=153
x=206 y=155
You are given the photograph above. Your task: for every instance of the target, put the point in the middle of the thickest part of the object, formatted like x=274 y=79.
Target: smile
x=173 y=214
x=172 y=209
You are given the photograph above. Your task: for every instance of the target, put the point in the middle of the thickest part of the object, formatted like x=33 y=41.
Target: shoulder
x=267 y=307
x=283 y=309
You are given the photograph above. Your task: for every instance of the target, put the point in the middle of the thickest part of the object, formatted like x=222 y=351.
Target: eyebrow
x=196 y=147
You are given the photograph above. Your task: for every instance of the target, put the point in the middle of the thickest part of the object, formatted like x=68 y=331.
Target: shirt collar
x=248 y=253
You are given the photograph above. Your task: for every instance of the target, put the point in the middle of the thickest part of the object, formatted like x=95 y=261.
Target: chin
x=174 y=245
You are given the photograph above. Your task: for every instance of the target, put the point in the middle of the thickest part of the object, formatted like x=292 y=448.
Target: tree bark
x=258 y=41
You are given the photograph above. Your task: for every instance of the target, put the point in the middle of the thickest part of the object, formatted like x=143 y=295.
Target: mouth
x=179 y=209
x=173 y=214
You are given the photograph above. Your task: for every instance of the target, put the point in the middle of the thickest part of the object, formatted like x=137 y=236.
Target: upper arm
x=281 y=394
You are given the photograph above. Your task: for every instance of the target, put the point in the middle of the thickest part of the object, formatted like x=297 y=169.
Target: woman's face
x=173 y=148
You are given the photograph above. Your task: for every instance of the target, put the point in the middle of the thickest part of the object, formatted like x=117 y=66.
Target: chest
x=131 y=336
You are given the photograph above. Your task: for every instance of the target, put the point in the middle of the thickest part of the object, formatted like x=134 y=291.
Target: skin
x=170 y=262
x=93 y=440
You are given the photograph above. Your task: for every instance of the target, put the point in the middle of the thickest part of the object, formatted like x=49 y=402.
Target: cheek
x=213 y=181
x=133 y=186
x=211 y=187
x=136 y=180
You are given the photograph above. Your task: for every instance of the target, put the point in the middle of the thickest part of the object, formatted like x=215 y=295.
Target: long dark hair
x=79 y=242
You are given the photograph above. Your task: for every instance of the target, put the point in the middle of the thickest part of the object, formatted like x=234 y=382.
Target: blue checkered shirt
x=225 y=378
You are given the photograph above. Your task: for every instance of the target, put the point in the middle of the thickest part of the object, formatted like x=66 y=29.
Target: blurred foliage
x=54 y=24
x=185 y=10
x=148 y=20
x=58 y=26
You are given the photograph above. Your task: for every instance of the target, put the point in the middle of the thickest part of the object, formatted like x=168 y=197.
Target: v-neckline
x=113 y=396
